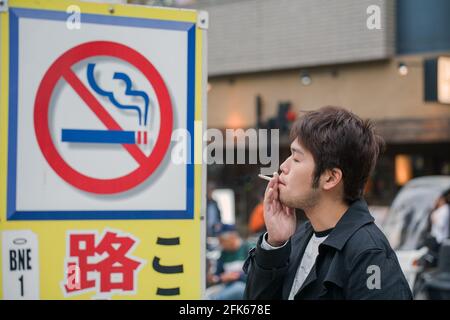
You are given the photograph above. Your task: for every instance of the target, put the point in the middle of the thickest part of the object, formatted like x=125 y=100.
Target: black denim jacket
x=354 y=262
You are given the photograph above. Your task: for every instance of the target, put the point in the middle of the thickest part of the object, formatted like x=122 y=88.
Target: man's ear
x=331 y=178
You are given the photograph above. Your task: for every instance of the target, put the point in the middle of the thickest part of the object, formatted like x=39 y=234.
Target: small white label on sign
x=20 y=265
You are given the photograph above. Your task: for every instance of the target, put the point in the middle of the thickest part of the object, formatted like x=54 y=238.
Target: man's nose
x=284 y=166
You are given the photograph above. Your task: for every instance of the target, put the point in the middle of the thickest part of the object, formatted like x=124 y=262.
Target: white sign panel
x=94 y=114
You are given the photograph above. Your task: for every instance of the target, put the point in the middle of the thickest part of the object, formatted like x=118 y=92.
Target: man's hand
x=212 y=278
x=229 y=276
x=280 y=220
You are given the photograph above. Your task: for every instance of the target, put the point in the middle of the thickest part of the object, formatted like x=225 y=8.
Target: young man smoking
x=339 y=253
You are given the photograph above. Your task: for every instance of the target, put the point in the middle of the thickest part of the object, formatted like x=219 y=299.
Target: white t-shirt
x=308 y=260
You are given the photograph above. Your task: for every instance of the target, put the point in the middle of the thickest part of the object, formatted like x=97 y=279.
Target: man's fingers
x=271 y=183
x=277 y=206
x=275 y=178
x=271 y=201
x=275 y=192
x=290 y=211
x=274 y=185
x=269 y=195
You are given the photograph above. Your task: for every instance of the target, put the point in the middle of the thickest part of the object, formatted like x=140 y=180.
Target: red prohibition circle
x=61 y=68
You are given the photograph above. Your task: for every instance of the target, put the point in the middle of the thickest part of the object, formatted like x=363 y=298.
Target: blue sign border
x=12 y=214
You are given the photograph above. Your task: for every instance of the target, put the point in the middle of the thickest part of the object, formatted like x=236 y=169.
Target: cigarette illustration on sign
x=113 y=136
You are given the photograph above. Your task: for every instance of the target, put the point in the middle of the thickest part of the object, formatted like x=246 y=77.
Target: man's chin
x=285 y=201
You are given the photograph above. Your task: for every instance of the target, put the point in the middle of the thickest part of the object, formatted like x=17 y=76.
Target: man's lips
x=281 y=182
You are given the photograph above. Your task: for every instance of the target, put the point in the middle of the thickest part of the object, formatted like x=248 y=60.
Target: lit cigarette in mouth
x=264 y=177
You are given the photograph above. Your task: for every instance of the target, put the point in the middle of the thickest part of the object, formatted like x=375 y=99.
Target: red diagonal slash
x=100 y=112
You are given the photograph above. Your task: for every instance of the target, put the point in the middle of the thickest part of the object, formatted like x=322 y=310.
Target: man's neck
x=326 y=214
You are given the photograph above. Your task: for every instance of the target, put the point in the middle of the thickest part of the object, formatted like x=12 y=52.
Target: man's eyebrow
x=295 y=150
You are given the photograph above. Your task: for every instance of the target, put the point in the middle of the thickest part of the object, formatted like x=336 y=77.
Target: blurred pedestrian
x=228 y=281
x=213 y=215
x=440 y=219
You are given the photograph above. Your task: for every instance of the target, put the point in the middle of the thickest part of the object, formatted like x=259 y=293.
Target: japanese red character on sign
x=103 y=265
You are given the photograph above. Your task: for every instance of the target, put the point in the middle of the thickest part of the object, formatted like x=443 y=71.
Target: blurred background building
x=265 y=55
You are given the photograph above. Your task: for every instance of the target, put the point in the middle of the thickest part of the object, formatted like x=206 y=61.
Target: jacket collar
x=356 y=216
